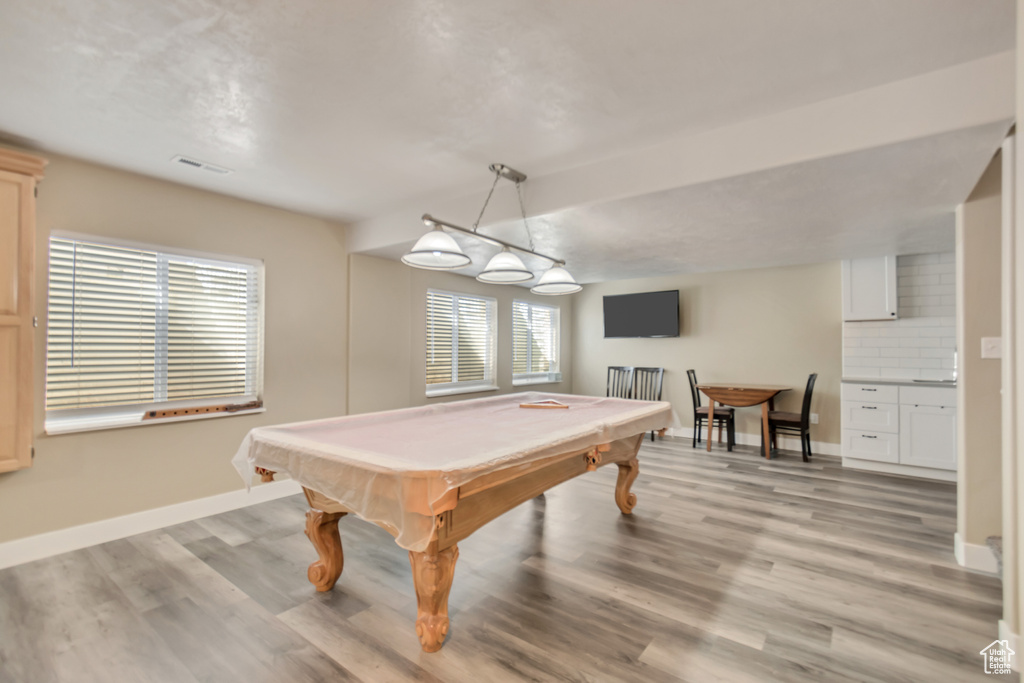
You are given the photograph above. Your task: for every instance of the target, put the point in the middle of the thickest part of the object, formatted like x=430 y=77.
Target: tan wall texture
x=387 y=338
x=90 y=476
x=979 y=423
x=764 y=326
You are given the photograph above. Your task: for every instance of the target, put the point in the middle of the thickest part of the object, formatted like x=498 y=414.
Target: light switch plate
x=991 y=347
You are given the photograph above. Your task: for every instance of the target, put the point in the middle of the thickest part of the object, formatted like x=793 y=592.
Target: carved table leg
x=432 y=576
x=322 y=530
x=628 y=472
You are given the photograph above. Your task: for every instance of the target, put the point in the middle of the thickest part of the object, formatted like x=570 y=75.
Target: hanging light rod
x=432 y=222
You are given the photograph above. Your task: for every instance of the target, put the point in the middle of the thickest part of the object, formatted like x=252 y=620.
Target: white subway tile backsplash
x=920 y=344
x=880 y=342
x=900 y=373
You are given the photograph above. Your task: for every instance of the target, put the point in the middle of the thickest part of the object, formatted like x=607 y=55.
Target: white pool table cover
x=391 y=467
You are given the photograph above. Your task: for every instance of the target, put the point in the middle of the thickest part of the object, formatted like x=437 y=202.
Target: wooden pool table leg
x=322 y=530
x=628 y=472
x=432 y=573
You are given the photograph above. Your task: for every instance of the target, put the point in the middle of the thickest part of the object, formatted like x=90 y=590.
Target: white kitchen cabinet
x=869 y=288
x=909 y=428
x=867 y=445
x=928 y=436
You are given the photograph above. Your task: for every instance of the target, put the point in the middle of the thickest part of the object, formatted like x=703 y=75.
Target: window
x=534 y=343
x=460 y=343
x=133 y=329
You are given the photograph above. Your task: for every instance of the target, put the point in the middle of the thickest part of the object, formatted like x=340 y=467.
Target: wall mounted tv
x=647 y=314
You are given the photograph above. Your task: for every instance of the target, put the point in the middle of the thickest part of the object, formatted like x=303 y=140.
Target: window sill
x=547 y=378
x=451 y=391
x=530 y=382
x=73 y=425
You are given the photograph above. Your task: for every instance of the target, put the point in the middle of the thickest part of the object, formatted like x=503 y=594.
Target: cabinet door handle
x=870 y=407
x=869 y=389
x=868 y=436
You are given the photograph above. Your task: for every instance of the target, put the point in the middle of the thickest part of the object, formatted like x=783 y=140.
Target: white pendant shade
x=556 y=280
x=505 y=268
x=436 y=250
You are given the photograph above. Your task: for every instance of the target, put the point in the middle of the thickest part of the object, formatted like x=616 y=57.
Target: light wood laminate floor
x=730 y=569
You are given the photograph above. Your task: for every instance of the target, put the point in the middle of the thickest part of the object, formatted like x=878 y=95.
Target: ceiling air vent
x=203 y=165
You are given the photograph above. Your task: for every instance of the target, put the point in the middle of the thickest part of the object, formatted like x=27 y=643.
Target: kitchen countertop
x=901 y=382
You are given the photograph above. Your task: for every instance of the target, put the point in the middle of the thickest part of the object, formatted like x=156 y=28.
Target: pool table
x=432 y=475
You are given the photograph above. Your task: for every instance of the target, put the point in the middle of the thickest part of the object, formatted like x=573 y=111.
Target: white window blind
x=133 y=326
x=460 y=342
x=534 y=343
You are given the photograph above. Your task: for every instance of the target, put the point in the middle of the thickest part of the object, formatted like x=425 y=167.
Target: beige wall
x=979 y=466
x=387 y=340
x=764 y=326
x=79 y=478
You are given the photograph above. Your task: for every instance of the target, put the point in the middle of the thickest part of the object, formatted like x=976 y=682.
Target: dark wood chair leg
x=731 y=433
x=807 y=436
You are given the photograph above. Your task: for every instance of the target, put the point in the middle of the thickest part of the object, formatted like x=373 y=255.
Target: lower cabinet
x=913 y=426
x=876 y=446
x=928 y=436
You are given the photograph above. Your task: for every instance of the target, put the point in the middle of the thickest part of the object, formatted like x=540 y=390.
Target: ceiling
x=726 y=134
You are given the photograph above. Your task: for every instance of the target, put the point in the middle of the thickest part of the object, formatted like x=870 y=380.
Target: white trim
x=65 y=540
x=54 y=427
x=902 y=470
x=1011 y=639
x=980 y=558
x=742 y=439
x=459 y=388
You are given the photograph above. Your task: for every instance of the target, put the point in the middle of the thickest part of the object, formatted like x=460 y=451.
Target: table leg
x=711 y=421
x=322 y=530
x=775 y=438
x=628 y=472
x=432 y=573
x=764 y=436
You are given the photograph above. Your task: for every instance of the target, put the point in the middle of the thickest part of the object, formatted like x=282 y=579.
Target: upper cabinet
x=19 y=174
x=869 y=288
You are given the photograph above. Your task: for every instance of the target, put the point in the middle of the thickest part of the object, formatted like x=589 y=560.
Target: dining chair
x=799 y=423
x=620 y=382
x=647 y=384
x=723 y=415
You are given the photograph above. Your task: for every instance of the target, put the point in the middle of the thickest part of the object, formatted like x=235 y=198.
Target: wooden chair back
x=647 y=383
x=805 y=411
x=694 y=393
x=620 y=381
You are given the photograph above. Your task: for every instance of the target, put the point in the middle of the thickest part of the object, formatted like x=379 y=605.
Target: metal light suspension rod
x=432 y=222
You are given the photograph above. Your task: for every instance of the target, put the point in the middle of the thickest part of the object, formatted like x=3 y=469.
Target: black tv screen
x=648 y=314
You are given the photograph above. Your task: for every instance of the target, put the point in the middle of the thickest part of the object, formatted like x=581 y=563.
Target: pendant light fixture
x=437 y=250
x=505 y=268
x=556 y=280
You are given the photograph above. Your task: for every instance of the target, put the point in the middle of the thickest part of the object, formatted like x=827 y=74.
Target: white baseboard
x=902 y=470
x=973 y=556
x=65 y=540
x=787 y=443
x=1011 y=639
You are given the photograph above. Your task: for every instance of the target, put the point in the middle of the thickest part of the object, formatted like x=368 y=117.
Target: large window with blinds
x=534 y=343
x=461 y=337
x=131 y=329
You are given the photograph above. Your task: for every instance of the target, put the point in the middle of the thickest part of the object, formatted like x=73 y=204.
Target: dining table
x=742 y=396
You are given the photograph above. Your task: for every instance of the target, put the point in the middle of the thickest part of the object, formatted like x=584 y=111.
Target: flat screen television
x=647 y=314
